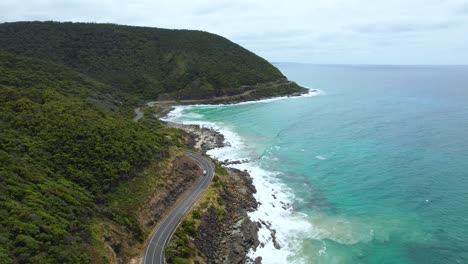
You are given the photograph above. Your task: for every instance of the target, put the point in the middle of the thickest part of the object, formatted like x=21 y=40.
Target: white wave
x=194 y=115
x=275 y=211
x=320 y=157
x=275 y=198
x=323 y=250
x=179 y=110
x=174 y=114
x=312 y=92
x=292 y=228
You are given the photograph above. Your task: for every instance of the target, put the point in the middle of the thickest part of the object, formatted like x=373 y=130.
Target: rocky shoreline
x=164 y=107
x=262 y=91
x=232 y=238
x=227 y=240
x=201 y=138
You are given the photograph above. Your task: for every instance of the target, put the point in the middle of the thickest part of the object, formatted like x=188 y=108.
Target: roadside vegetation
x=74 y=168
x=61 y=156
x=180 y=250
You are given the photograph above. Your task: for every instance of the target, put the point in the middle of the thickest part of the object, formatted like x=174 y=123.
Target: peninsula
x=81 y=181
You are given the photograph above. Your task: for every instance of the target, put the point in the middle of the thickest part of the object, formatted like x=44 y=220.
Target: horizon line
x=369 y=64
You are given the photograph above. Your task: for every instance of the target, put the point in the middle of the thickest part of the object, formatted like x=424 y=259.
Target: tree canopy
x=140 y=60
x=59 y=155
x=67 y=144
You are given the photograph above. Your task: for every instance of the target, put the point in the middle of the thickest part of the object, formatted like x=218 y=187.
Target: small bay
x=375 y=166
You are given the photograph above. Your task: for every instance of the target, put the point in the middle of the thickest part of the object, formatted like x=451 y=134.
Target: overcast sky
x=314 y=31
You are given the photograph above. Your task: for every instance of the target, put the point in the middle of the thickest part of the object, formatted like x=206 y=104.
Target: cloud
x=214 y=8
x=463 y=9
x=402 y=27
x=321 y=31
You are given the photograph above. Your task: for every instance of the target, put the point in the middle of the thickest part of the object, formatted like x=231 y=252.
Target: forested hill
x=60 y=155
x=75 y=170
x=143 y=61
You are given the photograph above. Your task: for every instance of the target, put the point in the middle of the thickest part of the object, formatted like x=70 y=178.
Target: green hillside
x=143 y=61
x=74 y=168
x=60 y=154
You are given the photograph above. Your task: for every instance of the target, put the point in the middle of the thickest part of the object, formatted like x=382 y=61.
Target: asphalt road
x=154 y=252
x=139 y=114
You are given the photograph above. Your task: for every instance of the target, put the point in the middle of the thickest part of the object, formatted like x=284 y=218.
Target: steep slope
x=60 y=155
x=80 y=182
x=148 y=62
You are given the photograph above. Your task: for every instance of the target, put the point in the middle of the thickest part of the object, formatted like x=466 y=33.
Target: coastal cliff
x=150 y=63
x=82 y=182
x=177 y=175
x=225 y=237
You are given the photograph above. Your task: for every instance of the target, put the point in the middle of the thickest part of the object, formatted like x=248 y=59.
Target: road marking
x=175 y=216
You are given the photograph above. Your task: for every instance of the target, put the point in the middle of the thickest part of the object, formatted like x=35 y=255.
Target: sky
x=303 y=31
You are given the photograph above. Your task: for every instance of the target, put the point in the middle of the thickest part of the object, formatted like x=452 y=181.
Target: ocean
x=372 y=168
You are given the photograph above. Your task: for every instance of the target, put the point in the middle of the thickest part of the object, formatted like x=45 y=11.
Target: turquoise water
x=377 y=162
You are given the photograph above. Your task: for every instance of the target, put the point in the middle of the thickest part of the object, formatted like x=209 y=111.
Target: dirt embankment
x=180 y=178
x=176 y=176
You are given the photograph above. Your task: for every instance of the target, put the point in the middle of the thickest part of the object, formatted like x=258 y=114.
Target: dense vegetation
x=59 y=154
x=72 y=161
x=149 y=62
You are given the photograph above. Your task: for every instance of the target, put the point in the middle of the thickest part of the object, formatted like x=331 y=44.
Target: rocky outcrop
x=228 y=239
x=227 y=162
x=202 y=138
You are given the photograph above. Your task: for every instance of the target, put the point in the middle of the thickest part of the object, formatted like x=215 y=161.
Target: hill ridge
x=146 y=62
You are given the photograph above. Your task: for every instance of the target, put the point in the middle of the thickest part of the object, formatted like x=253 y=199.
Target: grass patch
x=221 y=170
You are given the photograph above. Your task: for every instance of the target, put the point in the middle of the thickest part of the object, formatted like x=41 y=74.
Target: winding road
x=154 y=252
x=139 y=114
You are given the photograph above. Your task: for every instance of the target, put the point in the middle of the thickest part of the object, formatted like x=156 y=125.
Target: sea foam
x=178 y=109
x=275 y=199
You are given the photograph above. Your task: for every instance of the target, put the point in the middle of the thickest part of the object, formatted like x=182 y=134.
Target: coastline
x=166 y=107
x=274 y=217
x=227 y=239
